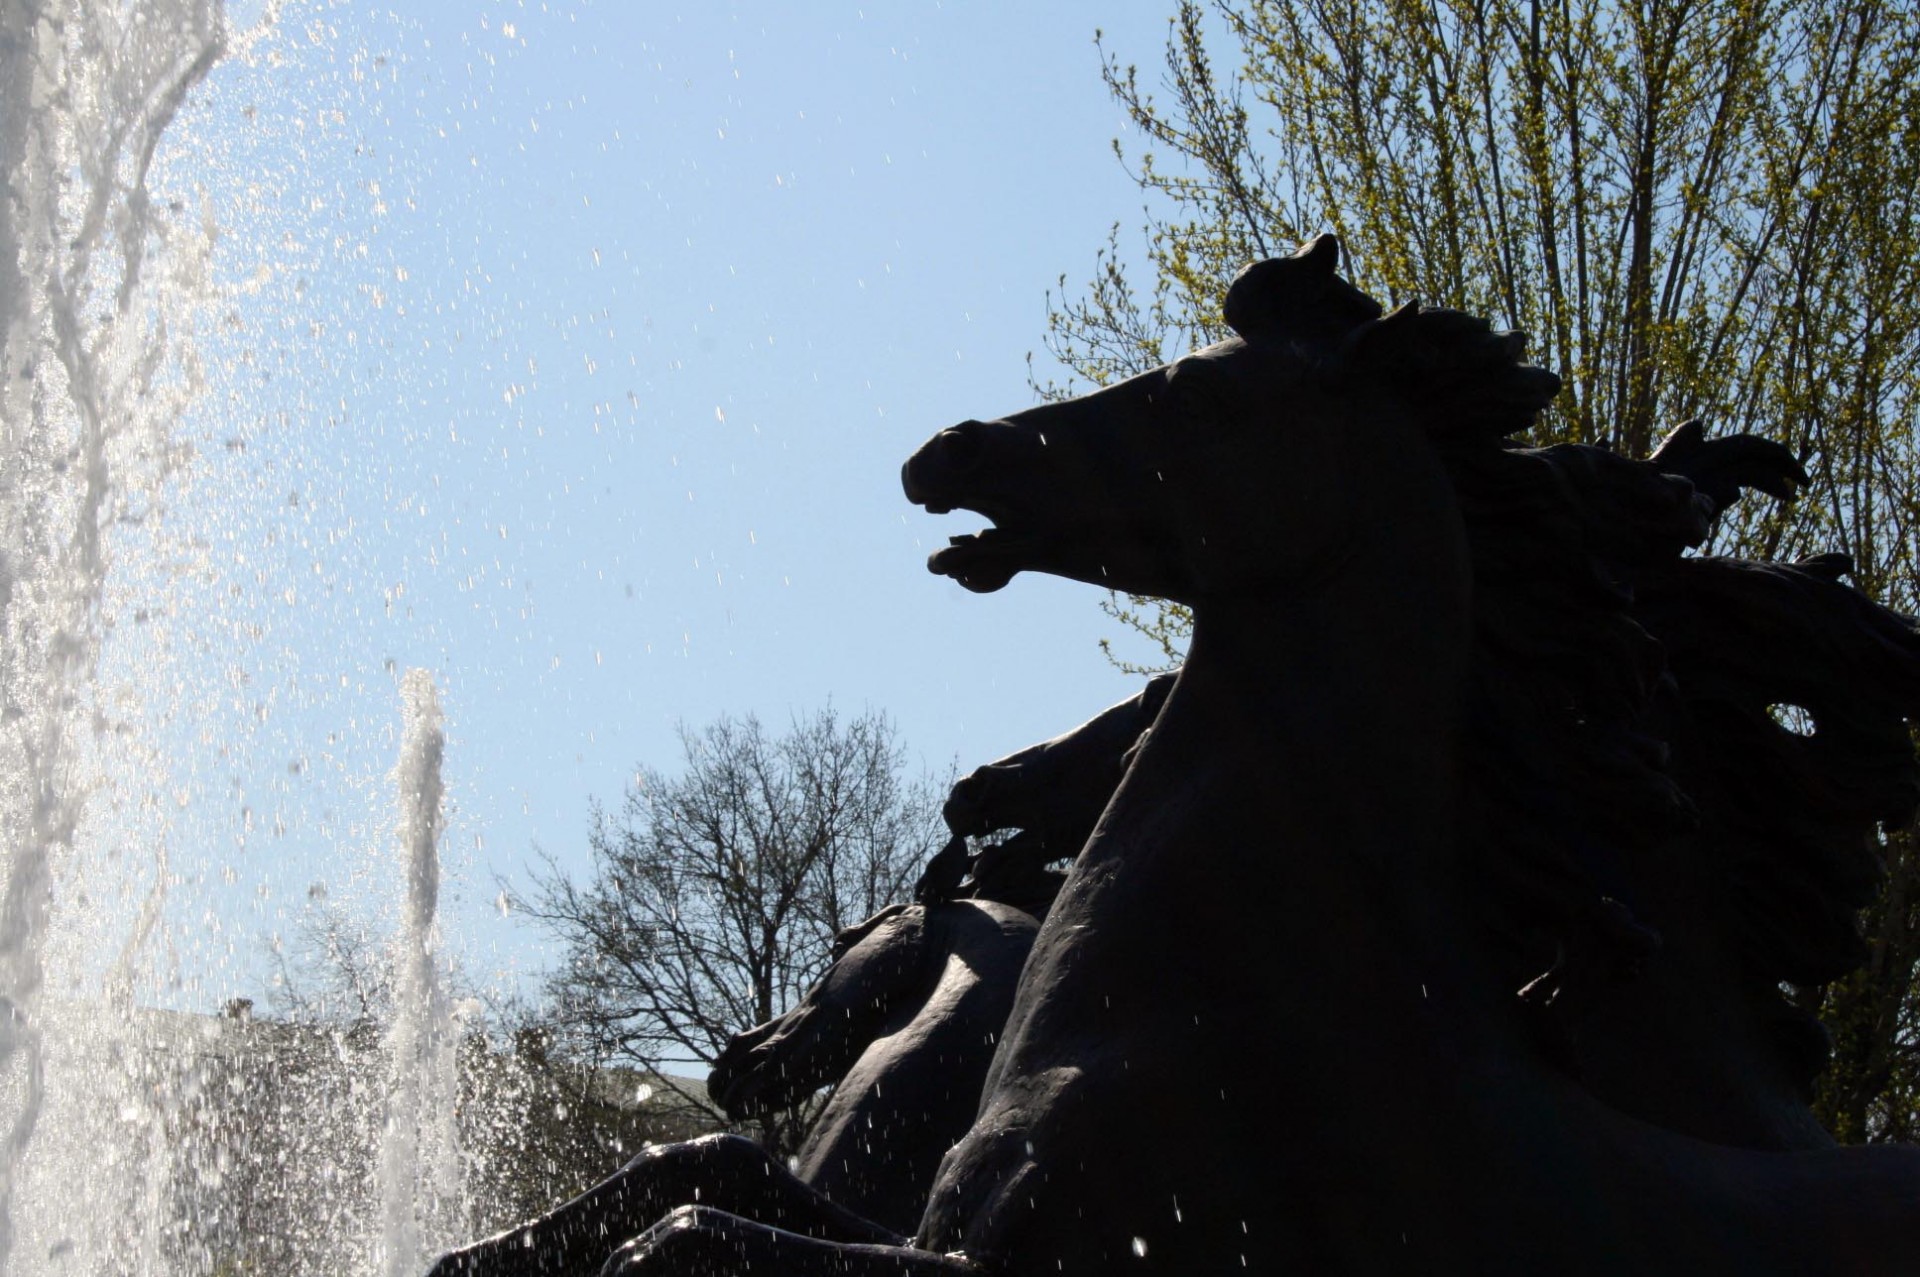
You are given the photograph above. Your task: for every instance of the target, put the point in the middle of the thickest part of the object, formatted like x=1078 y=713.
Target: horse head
x=1054 y=791
x=1186 y=480
x=1245 y=467
x=876 y=964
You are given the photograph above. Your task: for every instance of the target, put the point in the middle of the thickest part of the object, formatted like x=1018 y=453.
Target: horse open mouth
x=983 y=561
x=944 y=476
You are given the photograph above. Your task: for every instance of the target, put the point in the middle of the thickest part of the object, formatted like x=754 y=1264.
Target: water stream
x=132 y=1139
x=97 y=290
x=420 y=1156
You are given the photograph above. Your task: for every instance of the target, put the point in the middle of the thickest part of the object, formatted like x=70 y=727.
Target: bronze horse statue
x=1048 y=795
x=902 y=1025
x=1415 y=757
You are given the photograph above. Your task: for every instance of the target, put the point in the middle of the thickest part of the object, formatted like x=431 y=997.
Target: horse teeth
x=959 y=540
x=934 y=507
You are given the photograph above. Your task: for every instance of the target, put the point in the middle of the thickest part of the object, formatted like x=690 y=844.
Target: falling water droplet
x=1140 y=1247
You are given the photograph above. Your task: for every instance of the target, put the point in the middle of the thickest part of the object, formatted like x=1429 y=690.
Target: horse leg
x=696 y=1241
x=715 y=1170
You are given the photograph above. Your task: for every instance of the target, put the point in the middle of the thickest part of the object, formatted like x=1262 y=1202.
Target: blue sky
x=571 y=352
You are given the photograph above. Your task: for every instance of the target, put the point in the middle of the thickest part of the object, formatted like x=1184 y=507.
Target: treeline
x=277 y=1130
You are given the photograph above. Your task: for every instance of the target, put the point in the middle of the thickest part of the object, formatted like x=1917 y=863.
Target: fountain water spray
x=95 y=373
x=419 y=1156
x=143 y=1139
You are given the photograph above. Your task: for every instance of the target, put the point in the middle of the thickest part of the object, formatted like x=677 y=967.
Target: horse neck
x=1293 y=809
x=1346 y=696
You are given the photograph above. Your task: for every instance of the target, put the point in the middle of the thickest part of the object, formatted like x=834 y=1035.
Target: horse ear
x=1298 y=298
x=1322 y=252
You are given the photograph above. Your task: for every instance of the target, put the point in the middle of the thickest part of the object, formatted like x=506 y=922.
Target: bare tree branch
x=713 y=894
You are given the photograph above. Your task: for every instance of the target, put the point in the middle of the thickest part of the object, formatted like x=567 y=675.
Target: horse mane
x=1624 y=695
x=1790 y=809
x=1565 y=775
x=900 y=914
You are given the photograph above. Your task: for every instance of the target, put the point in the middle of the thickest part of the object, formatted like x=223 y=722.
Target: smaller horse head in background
x=905 y=1021
x=902 y=1026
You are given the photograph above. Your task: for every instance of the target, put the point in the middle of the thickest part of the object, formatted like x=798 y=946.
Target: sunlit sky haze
x=571 y=352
